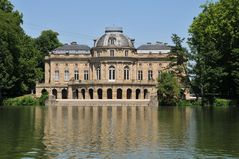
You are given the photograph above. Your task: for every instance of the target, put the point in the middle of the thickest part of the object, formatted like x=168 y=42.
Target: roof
x=72 y=48
x=114 y=37
x=157 y=46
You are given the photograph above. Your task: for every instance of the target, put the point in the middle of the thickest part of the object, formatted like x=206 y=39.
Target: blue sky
x=84 y=20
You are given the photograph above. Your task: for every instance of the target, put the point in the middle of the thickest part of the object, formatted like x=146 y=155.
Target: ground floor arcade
x=97 y=92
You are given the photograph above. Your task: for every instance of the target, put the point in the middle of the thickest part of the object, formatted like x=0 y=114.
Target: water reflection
x=219 y=129
x=21 y=132
x=119 y=132
x=99 y=131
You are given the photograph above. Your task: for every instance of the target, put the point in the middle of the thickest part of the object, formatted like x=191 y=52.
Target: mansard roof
x=156 y=46
x=72 y=48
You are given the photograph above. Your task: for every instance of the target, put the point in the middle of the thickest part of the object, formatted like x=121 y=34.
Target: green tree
x=10 y=30
x=179 y=66
x=29 y=59
x=214 y=41
x=168 y=89
x=19 y=56
x=47 y=41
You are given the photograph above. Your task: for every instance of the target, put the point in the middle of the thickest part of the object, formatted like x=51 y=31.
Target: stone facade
x=112 y=69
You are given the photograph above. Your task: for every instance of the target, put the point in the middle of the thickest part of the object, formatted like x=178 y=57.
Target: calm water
x=119 y=132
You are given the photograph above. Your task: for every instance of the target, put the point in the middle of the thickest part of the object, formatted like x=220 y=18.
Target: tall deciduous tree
x=47 y=41
x=21 y=57
x=10 y=31
x=214 y=40
x=168 y=89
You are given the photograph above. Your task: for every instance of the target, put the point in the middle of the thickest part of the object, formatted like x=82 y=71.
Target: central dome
x=114 y=37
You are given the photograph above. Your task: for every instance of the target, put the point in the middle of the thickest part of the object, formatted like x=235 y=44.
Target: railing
x=134 y=82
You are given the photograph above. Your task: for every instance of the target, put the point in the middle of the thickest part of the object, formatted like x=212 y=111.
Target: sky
x=85 y=20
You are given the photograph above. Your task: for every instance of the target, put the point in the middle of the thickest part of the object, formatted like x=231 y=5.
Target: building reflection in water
x=84 y=132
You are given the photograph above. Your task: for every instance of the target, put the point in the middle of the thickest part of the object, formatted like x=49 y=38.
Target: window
x=86 y=75
x=111 y=73
x=112 y=53
x=67 y=75
x=126 y=73
x=98 y=73
x=76 y=74
x=111 y=41
x=150 y=74
x=56 y=77
x=140 y=75
x=126 y=53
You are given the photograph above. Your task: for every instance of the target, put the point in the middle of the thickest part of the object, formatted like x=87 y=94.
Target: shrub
x=189 y=103
x=43 y=98
x=21 y=101
x=222 y=102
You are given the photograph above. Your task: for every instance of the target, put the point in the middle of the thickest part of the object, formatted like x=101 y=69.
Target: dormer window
x=112 y=41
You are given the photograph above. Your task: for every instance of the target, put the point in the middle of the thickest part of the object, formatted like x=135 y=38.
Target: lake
x=119 y=132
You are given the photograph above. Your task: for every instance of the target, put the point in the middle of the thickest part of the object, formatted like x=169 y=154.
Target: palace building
x=112 y=69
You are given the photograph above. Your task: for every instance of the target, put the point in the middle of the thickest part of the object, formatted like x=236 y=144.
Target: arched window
x=83 y=93
x=56 y=76
x=75 y=94
x=64 y=94
x=119 y=93
x=109 y=93
x=129 y=93
x=91 y=93
x=145 y=94
x=43 y=91
x=126 y=72
x=137 y=93
x=98 y=73
x=111 y=73
x=111 y=41
x=54 y=92
x=99 y=92
x=67 y=74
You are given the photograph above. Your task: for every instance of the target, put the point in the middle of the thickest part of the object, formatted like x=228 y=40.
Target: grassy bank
x=26 y=100
x=190 y=103
x=217 y=103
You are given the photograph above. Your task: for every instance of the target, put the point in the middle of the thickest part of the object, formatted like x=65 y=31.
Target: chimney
x=132 y=41
x=73 y=43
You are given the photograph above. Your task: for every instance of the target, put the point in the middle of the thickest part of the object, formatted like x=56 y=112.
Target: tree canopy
x=20 y=55
x=47 y=41
x=168 y=89
x=214 y=41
